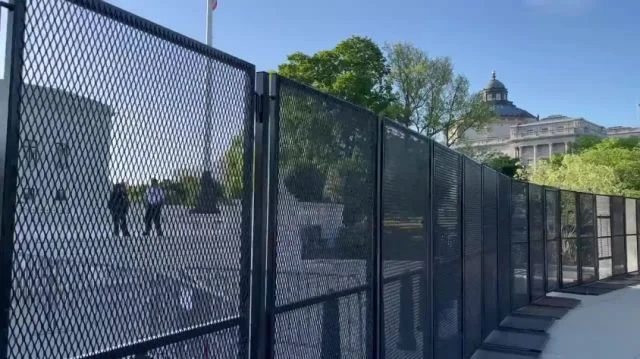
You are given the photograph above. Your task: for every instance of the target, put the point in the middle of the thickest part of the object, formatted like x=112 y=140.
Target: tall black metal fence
x=285 y=223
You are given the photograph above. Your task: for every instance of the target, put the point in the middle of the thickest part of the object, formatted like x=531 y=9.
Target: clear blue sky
x=573 y=57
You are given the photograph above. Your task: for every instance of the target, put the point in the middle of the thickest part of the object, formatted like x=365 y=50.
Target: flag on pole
x=213 y=4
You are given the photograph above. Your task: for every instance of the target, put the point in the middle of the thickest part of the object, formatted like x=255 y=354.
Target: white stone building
x=64 y=153
x=518 y=133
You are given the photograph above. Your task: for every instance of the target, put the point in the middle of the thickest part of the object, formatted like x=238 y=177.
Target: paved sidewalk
x=602 y=327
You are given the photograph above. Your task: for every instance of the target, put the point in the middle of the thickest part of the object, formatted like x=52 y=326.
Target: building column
x=535 y=153
x=550 y=149
x=566 y=147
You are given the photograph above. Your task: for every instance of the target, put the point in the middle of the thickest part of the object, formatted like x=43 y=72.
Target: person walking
x=119 y=208
x=154 y=199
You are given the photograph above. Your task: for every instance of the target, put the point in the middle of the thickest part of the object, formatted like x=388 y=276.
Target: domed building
x=518 y=133
x=496 y=94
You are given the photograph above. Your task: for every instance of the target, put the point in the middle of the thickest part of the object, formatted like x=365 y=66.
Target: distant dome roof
x=507 y=109
x=494 y=84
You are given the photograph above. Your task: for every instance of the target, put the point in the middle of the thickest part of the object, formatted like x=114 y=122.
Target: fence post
x=578 y=210
x=545 y=275
x=376 y=250
x=270 y=215
x=10 y=86
x=428 y=347
x=624 y=222
x=256 y=306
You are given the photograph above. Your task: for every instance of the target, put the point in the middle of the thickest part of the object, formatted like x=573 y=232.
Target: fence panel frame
x=614 y=244
x=10 y=86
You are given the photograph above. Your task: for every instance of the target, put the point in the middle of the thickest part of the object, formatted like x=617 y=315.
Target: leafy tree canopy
x=612 y=166
x=504 y=164
x=431 y=97
x=355 y=70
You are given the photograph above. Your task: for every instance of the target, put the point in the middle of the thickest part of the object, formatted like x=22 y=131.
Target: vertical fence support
x=560 y=271
x=10 y=86
x=461 y=302
x=256 y=299
x=272 y=212
x=595 y=237
x=545 y=261
x=578 y=211
x=377 y=286
x=428 y=340
x=624 y=222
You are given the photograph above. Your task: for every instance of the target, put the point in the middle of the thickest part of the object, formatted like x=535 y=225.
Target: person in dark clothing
x=154 y=199
x=119 y=208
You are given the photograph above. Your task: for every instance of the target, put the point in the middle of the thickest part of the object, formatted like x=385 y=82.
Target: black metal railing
x=286 y=223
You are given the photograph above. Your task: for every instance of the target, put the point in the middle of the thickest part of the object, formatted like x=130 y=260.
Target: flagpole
x=208 y=114
x=207 y=197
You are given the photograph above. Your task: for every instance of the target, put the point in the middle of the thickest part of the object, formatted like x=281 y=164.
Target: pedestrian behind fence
x=119 y=208
x=154 y=200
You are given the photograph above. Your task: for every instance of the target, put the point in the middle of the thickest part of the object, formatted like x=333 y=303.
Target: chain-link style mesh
x=405 y=193
x=109 y=101
x=536 y=241
x=605 y=265
x=631 y=232
x=504 y=246
x=569 y=236
x=519 y=245
x=587 y=245
x=489 y=250
x=447 y=264
x=618 y=246
x=552 y=233
x=324 y=222
x=472 y=266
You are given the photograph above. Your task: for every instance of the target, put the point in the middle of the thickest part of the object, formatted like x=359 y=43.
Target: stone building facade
x=518 y=133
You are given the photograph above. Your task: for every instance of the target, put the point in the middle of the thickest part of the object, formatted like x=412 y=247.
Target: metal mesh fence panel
x=552 y=231
x=504 y=246
x=472 y=260
x=405 y=193
x=605 y=267
x=489 y=250
x=631 y=232
x=618 y=246
x=536 y=241
x=519 y=245
x=326 y=190
x=638 y=227
x=206 y=346
x=569 y=237
x=587 y=244
x=447 y=250
x=109 y=101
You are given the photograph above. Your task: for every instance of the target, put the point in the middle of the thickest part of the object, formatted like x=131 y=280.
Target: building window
x=63 y=152
x=60 y=195
x=31 y=151
x=28 y=194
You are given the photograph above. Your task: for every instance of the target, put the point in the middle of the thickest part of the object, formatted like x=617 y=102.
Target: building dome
x=495 y=84
x=497 y=95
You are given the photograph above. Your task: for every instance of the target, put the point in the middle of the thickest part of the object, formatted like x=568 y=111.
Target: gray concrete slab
x=604 y=326
x=516 y=341
x=527 y=323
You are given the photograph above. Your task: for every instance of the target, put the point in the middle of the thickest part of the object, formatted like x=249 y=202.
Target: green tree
x=355 y=70
x=234 y=166
x=610 y=167
x=504 y=164
x=583 y=143
x=431 y=97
